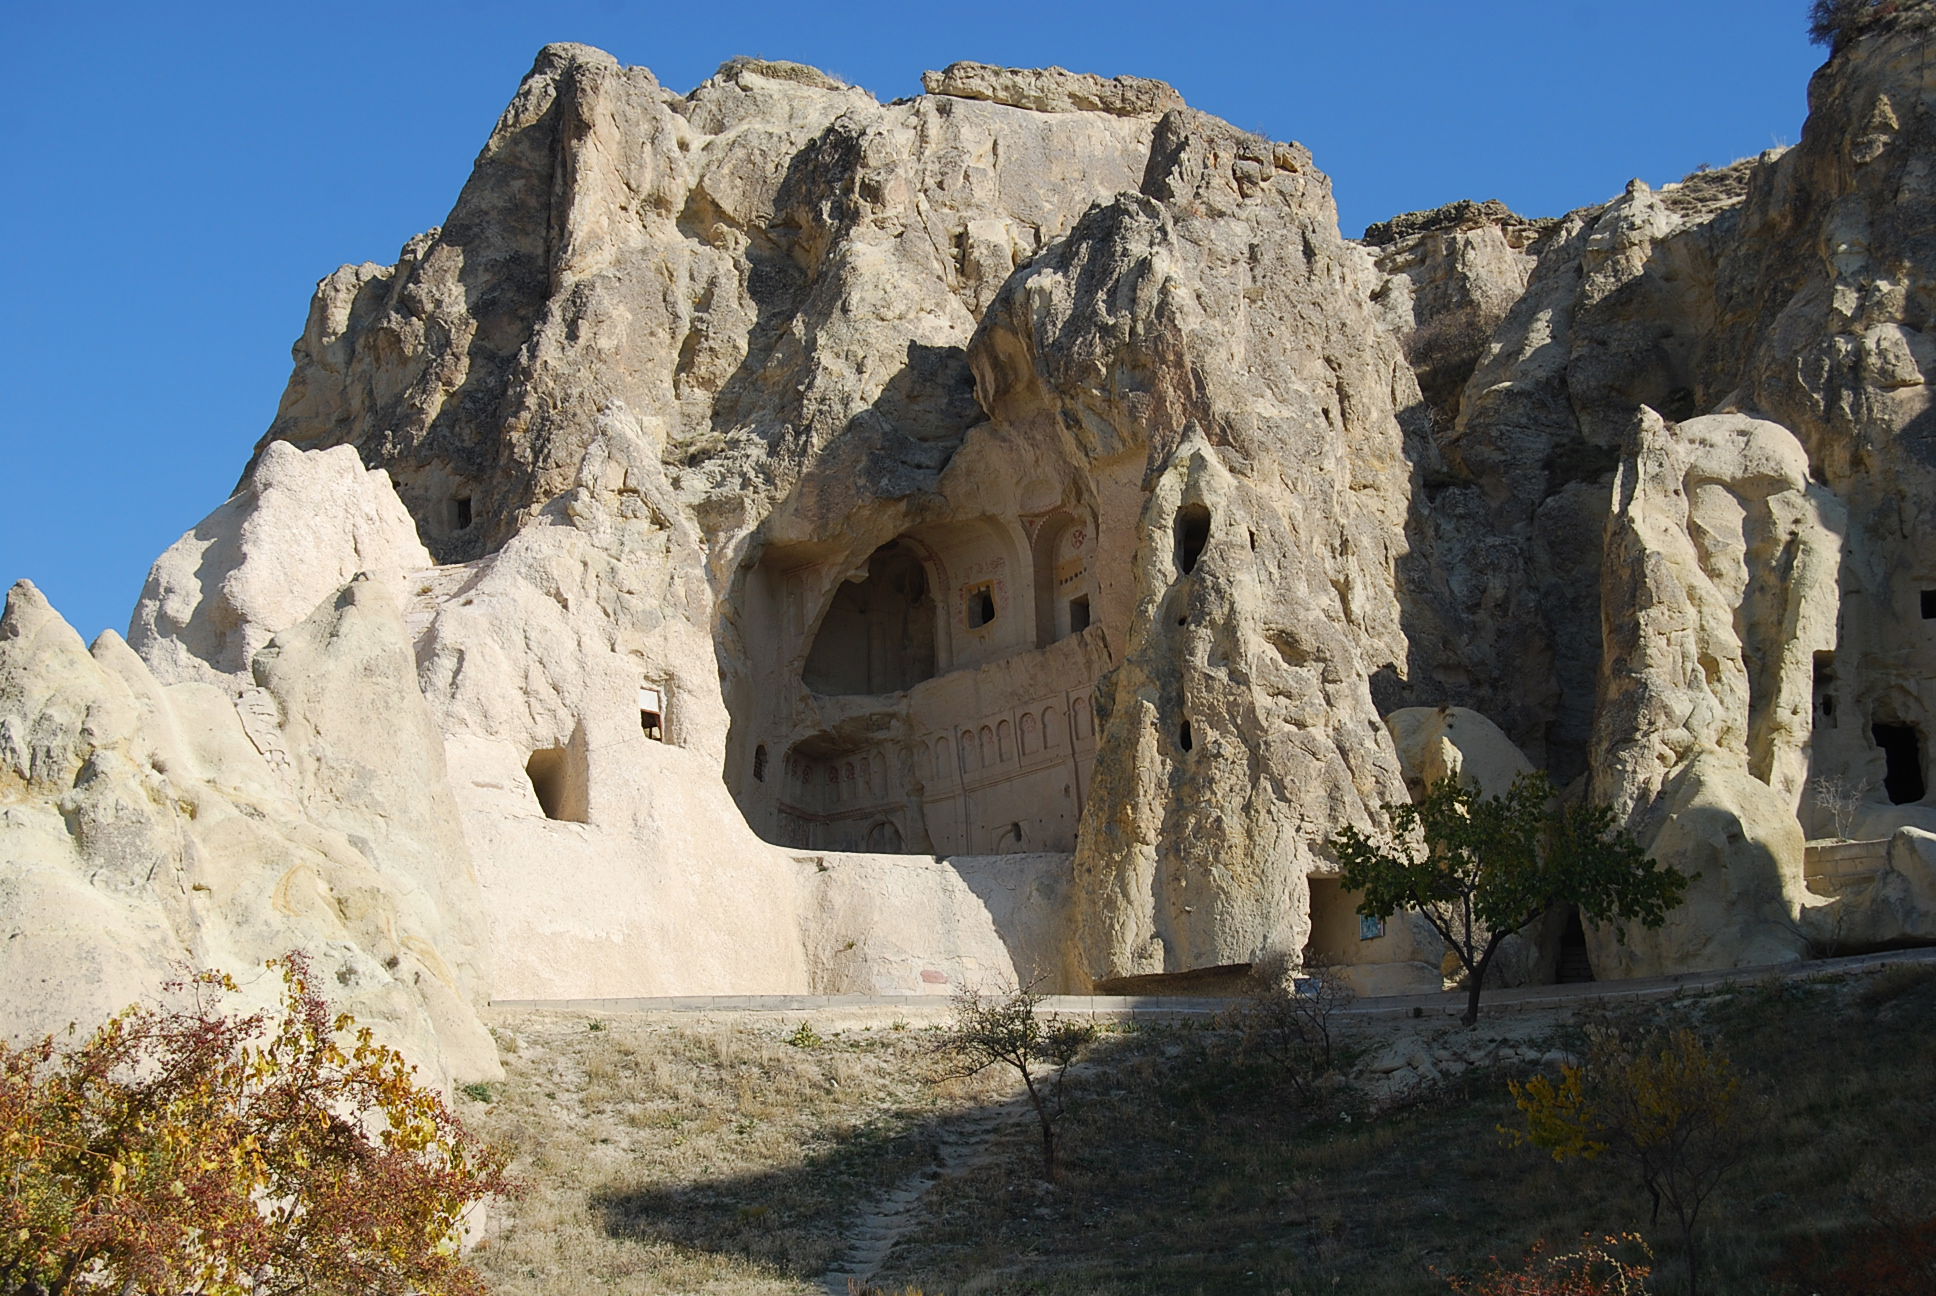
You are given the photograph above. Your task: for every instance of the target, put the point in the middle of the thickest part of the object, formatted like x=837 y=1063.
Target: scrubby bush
x=1594 y=1268
x=1667 y=1104
x=1835 y=23
x=1479 y=868
x=185 y=1149
x=1287 y=1016
x=1010 y=1030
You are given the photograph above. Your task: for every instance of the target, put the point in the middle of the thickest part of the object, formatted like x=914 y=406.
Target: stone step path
x=962 y=1141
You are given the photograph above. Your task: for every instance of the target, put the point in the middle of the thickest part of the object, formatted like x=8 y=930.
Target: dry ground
x=668 y=1154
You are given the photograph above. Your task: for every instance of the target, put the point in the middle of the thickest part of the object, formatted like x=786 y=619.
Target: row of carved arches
x=990 y=746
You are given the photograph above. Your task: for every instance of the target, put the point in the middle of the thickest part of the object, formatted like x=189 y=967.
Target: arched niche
x=1064 y=577
x=878 y=635
x=984 y=587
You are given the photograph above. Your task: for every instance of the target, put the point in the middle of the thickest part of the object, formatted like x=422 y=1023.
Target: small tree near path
x=1010 y=1030
x=1667 y=1104
x=1480 y=868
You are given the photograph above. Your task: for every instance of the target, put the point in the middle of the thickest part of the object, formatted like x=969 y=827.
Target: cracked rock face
x=771 y=541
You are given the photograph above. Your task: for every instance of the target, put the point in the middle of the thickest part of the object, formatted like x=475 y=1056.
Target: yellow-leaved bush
x=188 y=1149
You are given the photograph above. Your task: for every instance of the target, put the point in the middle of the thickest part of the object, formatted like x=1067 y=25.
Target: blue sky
x=183 y=174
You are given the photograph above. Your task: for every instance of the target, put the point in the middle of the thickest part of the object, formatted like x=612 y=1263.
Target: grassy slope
x=722 y=1159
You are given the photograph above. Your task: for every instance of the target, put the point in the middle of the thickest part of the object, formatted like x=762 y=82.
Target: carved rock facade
x=843 y=546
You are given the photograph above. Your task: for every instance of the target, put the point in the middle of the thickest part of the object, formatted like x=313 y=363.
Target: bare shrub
x=1840 y=799
x=1009 y=1030
x=1287 y=1017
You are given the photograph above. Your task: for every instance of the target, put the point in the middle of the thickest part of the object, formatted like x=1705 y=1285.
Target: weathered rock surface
x=774 y=540
x=298 y=529
x=147 y=827
x=1053 y=90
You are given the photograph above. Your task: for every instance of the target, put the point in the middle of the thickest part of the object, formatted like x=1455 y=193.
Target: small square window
x=981 y=606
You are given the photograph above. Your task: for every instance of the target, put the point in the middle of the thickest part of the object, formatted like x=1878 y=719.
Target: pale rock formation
x=1053 y=90
x=1721 y=585
x=298 y=529
x=850 y=546
x=888 y=924
x=1437 y=743
x=1894 y=907
x=1240 y=723
x=1450 y=277
x=146 y=831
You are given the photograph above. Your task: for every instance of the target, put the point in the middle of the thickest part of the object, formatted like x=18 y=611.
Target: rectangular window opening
x=460 y=513
x=652 y=712
x=1929 y=605
x=1078 y=614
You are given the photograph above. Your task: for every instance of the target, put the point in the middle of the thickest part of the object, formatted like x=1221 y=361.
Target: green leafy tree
x=1480 y=868
x=1667 y=1104
x=187 y=1150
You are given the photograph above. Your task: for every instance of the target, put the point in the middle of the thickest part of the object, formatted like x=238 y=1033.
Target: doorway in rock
x=1902 y=751
x=1575 y=965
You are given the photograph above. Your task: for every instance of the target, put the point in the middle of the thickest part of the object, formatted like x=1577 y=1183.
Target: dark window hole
x=1078 y=614
x=1902 y=750
x=1183 y=738
x=1929 y=605
x=981 y=608
x=759 y=763
x=460 y=513
x=1192 y=534
x=1825 y=685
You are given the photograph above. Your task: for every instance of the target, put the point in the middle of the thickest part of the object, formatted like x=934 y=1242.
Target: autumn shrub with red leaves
x=1595 y=1268
x=188 y=1150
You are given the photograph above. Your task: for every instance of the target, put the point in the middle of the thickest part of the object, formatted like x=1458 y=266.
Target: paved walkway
x=1109 y=1007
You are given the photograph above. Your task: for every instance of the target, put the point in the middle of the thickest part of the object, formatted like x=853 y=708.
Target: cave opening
x=1902 y=752
x=1079 y=614
x=460 y=513
x=1575 y=962
x=1183 y=736
x=1192 y=534
x=879 y=633
x=559 y=783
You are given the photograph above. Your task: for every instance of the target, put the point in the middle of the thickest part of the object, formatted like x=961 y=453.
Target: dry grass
x=720 y=1159
x=668 y=1157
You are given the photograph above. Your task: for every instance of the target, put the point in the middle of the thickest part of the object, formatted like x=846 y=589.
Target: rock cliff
x=768 y=540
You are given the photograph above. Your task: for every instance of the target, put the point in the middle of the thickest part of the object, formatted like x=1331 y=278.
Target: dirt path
x=861 y=1009
x=962 y=1141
